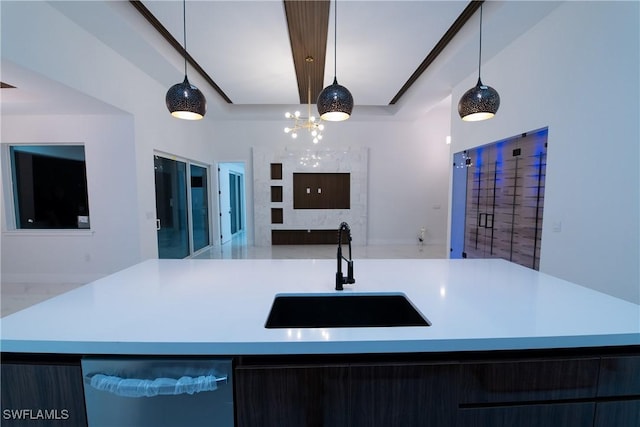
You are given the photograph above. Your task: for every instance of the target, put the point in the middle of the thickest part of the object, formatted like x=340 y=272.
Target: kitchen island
x=204 y=307
x=496 y=329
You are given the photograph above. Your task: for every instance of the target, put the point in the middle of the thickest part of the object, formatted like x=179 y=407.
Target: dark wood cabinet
x=346 y=395
x=619 y=392
x=529 y=393
x=321 y=191
x=558 y=415
x=623 y=413
x=404 y=395
x=619 y=376
x=295 y=396
x=570 y=388
x=528 y=380
x=45 y=395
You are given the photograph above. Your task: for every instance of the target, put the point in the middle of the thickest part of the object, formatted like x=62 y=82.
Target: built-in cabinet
x=292 y=395
x=488 y=389
x=45 y=394
x=349 y=395
x=505 y=199
x=618 y=392
x=539 y=392
x=402 y=394
x=582 y=387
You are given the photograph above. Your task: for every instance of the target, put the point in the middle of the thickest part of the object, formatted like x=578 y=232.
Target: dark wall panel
x=321 y=190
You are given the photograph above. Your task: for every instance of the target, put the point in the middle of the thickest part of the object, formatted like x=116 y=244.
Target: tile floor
x=17 y=296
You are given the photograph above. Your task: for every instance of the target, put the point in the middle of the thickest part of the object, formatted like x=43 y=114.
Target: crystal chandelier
x=315 y=127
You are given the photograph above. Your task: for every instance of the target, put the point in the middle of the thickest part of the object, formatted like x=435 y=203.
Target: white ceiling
x=243 y=45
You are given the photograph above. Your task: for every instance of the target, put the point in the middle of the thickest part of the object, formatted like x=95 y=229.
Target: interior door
x=171 y=208
x=233 y=206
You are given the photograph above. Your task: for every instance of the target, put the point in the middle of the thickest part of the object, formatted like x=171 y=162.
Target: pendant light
x=480 y=102
x=184 y=100
x=335 y=101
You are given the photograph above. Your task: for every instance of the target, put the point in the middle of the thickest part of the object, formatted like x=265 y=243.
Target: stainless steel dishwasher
x=158 y=392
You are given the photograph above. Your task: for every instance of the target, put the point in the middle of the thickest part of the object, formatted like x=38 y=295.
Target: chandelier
x=315 y=127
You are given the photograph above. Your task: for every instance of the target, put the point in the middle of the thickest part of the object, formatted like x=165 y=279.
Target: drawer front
x=624 y=413
x=529 y=380
x=619 y=376
x=565 y=415
x=278 y=396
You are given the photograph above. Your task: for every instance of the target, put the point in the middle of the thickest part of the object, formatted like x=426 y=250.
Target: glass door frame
x=207 y=167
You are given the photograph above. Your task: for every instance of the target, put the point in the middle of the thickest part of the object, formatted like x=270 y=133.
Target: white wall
x=577 y=73
x=408 y=168
x=407 y=163
x=120 y=147
x=76 y=256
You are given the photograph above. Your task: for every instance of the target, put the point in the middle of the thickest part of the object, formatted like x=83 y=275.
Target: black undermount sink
x=343 y=311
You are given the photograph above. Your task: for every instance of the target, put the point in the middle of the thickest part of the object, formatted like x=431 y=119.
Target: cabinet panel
x=42 y=395
x=624 y=413
x=530 y=380
x=403 y=395
x=306 y=237
x=291 y=396
x=619 y=376
x=321 y=190
x=557 y=415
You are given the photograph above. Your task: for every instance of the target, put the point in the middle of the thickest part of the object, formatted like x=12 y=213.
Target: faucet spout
x=340 y=279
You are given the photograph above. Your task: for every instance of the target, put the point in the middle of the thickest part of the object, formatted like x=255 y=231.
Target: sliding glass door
x=182 y=207
x=199 y=207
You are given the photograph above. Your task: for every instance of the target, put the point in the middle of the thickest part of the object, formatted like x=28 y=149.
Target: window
x=49 y=186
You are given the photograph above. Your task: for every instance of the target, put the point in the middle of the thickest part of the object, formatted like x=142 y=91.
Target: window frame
x=10 y=224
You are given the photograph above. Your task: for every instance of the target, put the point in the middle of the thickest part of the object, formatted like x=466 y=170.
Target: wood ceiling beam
x=178 y=47
x=466 y=14
x=308 y=23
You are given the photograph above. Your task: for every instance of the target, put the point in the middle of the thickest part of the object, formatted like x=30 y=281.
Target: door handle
x=489 y=221
x=480 y=218
x=158 y=227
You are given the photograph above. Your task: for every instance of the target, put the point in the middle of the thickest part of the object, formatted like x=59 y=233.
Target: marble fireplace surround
x=349 y=160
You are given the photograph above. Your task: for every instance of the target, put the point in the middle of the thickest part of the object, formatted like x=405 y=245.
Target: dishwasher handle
x=134 y=387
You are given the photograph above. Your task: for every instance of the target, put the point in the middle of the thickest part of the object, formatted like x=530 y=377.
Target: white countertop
x=219 y=307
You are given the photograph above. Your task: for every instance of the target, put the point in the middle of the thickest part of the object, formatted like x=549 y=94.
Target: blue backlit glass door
x=171 y=208
x=505 y=199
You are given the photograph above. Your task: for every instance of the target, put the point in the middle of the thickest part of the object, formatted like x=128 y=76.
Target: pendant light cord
x=335 y=39
x=480 y=50
x=184 y=33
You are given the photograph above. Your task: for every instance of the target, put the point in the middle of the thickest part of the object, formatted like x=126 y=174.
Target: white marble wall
x=349 y=160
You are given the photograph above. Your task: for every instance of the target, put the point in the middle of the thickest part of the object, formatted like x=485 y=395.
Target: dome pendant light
x=335 y=101
x=184 y=100
x=480 y=102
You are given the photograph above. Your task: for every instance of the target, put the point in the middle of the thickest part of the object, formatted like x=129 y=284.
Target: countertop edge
x=306 y=348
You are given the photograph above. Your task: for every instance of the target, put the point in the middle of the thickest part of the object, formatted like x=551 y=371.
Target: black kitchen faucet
x=340 y=279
